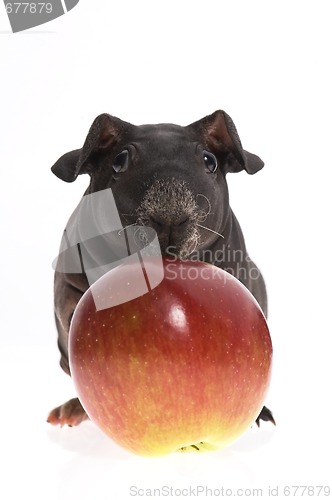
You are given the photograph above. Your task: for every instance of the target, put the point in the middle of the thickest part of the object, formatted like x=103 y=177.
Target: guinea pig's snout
x=169 y=207
x=171 y=231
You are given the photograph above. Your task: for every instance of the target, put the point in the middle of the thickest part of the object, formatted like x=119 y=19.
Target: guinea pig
x=169 y=178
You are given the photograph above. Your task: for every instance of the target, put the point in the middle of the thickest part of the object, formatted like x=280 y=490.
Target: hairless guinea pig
x=172 y=179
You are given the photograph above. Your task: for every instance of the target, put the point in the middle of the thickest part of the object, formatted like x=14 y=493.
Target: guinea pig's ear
x=221 y=136
x=65 y=167
x=104 y=132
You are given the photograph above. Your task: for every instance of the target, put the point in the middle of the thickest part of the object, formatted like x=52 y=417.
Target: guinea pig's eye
x=210 y=161
x=121 y=161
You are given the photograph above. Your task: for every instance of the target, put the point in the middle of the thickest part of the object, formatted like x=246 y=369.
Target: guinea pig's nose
x=163 y=222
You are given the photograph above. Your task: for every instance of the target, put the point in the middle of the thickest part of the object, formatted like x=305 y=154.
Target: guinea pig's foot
x=265 y=415
x=70 y=413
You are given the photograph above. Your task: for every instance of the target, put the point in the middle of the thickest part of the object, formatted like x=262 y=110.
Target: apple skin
x=186 y=363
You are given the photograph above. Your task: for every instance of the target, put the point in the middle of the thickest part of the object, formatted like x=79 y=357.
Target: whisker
x=126 y=227
x=208 y=201
x=194 y=246
x=211 y=230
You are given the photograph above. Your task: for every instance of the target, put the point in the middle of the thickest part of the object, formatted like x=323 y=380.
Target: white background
x=268 y=64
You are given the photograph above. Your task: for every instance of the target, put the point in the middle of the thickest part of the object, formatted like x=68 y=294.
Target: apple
x=186 y=364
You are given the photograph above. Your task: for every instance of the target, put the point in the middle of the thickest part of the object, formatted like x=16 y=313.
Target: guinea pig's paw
x=70 y=413
x=265 y=415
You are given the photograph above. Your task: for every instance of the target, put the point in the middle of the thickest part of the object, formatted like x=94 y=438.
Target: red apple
x=188 y=362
